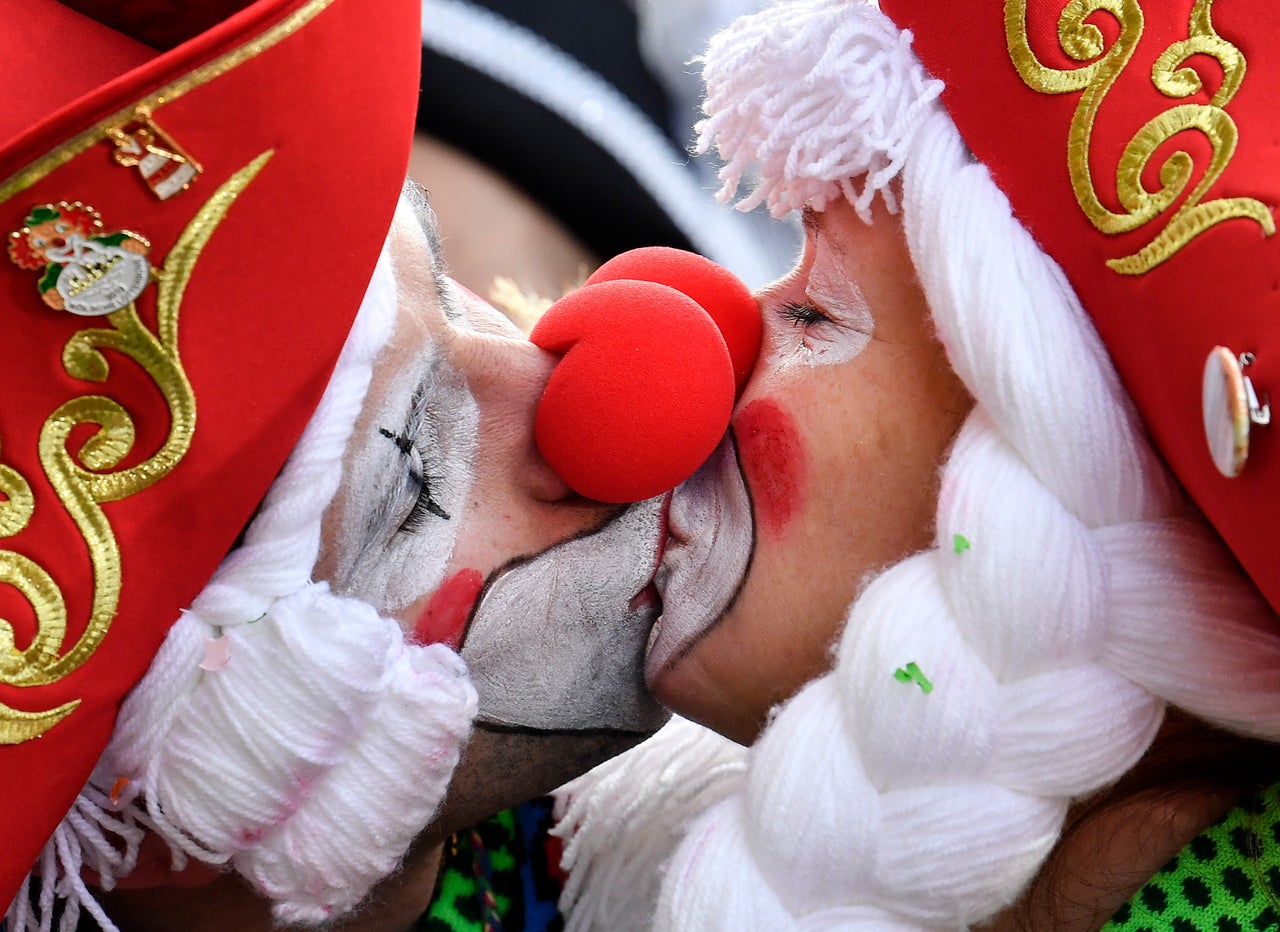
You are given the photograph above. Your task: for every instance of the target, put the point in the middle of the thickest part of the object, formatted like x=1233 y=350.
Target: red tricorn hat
x=194 y=204
x=1141 y=148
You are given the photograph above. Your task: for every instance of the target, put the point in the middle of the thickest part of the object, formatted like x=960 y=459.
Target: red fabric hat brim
x=303 y=109
x=1222 y=287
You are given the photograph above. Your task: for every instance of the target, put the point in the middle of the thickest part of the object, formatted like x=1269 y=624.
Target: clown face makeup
x=449 y=517
x=839 y=437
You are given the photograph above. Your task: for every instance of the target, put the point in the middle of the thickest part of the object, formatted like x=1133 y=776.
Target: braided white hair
x=314 y=756
x=1090 y=594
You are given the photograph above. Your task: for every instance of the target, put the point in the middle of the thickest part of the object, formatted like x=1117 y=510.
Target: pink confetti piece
x=217 y=651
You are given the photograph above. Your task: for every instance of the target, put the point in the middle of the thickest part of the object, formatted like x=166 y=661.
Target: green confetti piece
x=962 y=543
x=912 y=674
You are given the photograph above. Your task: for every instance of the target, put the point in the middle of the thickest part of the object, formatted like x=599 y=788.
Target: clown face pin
x=87 y=270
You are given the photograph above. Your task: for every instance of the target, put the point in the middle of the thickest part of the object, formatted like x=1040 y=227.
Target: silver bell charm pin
x=1231 y=407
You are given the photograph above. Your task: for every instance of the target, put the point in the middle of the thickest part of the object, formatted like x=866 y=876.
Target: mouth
x=708 y=549
x=648 y=601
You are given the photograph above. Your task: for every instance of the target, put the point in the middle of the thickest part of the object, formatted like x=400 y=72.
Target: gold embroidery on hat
x=84 y=486
x=1083 y=41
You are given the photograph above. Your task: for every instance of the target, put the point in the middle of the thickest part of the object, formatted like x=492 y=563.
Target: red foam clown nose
x=655 y=347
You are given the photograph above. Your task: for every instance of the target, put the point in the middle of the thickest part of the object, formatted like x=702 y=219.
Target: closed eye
x=802 y=315
x=413 y=442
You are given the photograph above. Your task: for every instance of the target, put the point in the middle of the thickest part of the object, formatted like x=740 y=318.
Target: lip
x=648 y=598
x=710 y=538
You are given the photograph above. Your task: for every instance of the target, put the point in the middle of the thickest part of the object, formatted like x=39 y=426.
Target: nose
x=541 y=481
x=508 y=377
x=655 y=346
x=58 y=242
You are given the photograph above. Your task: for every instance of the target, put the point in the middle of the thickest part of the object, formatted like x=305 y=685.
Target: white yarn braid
x=314 y=756
x=1090 y=593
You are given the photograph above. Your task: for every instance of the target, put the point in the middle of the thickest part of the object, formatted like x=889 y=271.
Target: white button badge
x=1230 y=407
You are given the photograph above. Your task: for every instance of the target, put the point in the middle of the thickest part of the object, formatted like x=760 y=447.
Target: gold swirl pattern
x=1084 y=42
x=85 y=480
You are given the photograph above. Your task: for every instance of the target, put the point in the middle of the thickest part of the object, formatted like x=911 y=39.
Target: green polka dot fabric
x=500 y=876
x=1226 y=880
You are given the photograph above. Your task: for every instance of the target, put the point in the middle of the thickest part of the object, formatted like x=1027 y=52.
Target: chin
x=688 y=690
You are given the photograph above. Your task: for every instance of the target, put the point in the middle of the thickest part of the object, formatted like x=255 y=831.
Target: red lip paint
x=444 y=619
x=773 y=462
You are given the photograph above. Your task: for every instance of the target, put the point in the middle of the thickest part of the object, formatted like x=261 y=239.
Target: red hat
x=195 y=203
x=1140 y=149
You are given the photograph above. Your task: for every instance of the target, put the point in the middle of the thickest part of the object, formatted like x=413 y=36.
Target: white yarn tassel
x=93 y=836
x=818 y=94
x=314 y=808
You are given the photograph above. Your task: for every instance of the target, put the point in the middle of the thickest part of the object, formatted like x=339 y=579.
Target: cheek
x=774 y=463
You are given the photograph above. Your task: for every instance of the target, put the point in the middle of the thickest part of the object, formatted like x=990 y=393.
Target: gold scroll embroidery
x=84 y=486
x=1084 y=42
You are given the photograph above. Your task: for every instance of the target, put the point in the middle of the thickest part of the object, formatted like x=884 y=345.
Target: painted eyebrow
x=420 y=200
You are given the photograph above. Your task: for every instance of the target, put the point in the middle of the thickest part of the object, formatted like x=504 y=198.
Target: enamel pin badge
x=86 y=269
x=165 y=166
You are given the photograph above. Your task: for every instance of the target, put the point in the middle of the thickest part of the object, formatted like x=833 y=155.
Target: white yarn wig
x=311 y=759
x=1092 y=593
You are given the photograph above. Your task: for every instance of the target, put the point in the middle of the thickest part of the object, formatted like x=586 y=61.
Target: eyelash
x=802 y=315
x=424 y=504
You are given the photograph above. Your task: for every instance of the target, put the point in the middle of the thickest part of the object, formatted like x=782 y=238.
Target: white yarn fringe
x=817 y=94
x=1091 y=592
x=92 y=836
x=308 y=762
x=629 y=813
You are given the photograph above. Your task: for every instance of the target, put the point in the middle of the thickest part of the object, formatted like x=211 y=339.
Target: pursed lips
x=709 y=550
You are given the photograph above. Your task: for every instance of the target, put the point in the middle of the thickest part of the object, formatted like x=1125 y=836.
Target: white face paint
x=450 y=520
x=413 y=482
x=589 y=609
x=827 y=321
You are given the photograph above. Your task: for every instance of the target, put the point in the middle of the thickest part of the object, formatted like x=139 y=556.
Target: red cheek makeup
x=444 y=619
x=773 y=462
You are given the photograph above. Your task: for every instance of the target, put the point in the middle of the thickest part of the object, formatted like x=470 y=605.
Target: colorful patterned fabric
x=501 y=876
x=1226 y=880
